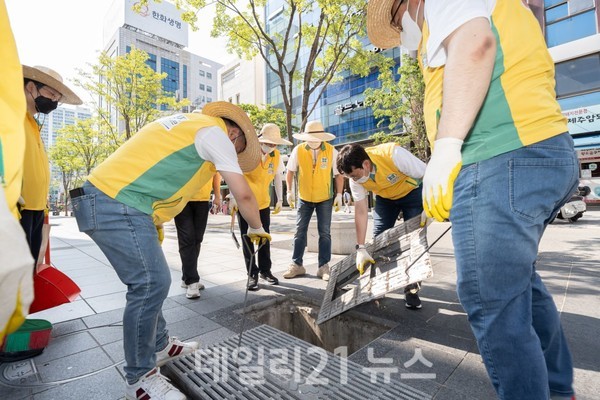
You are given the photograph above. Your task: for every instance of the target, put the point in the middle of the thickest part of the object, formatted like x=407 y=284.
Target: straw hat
x=250 y=157
x=270 y=133
x=51 y=78
x=379 y=28
x=314 y=132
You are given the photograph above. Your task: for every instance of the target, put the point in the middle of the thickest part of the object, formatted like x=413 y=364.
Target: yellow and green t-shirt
x=204 y=193
x=387 y=181
x=36 y=169
x=261 y=177
x=520 y=107
x=315 y=182
x=158 y=170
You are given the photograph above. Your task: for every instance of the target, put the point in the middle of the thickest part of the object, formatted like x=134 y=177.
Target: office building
x=243 y=82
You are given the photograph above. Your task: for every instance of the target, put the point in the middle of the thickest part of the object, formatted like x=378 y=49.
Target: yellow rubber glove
x=337 y=202
x=258 y=236
x=363 y=260
x=277 y=207
x=161 y=234
x=291 y=199
x=440 y=174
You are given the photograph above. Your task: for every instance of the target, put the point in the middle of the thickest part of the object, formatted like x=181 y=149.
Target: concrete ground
x=87 y=336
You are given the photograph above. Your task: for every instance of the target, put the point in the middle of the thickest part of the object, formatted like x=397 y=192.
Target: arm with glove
x=291 y=196
x=363 y=258
x=339 y=188
x=278 y=182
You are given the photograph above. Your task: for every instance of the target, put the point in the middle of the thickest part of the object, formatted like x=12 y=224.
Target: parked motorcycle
x=575 y=207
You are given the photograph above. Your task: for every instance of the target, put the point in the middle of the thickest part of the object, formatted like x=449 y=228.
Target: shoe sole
x=184 y=286
x=253 y=289
x=413 y=307
x=192 y=297
x=269 y=283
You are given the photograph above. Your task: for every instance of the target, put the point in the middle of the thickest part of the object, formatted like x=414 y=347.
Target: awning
x=587 y=142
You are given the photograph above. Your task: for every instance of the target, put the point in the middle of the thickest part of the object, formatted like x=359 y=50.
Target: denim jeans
x=264 y=253
x=191 y=225
x=500 y=211
x=305 y=211
x=386 y=211
x=129 y=240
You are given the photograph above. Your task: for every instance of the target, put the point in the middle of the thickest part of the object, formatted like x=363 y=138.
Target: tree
x=305 y=45
x=127 y=85
x=261 y=116
x=86 y=142
x=401 y=103
x=66 y=159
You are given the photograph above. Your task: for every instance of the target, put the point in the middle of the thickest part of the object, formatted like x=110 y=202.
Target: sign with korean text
x=583 y=119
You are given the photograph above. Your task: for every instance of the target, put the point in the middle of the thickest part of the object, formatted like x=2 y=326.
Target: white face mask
x=362 y=180
x=314 y=145
x=410 y=36
x=266 y=149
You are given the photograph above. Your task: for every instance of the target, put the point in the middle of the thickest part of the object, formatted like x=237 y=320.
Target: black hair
x=351 y=156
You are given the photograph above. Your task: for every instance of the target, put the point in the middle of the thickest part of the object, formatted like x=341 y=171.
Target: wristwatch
x=360 y=246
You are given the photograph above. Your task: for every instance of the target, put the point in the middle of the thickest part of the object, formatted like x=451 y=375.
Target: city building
x=571 y=31
x=159 y=31
x=51 y=124
x=242 y=81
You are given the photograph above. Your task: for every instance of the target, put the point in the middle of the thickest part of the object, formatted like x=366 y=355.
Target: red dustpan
x=51 y=286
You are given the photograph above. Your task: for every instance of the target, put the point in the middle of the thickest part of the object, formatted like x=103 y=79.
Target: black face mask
x=45 y=105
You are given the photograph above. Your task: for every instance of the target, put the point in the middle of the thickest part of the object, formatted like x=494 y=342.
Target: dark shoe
x=269 y=278
x=253 y=283
x=412 y=301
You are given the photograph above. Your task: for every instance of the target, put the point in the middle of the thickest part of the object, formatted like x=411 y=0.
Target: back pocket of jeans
x=539 y=184
x=84 y=208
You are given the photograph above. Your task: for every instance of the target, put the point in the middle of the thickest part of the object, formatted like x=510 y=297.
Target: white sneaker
x=294 y=270
x=193 y=290
x=184 y=286
x=175 y=348
x=323 y=272
x=153 y=386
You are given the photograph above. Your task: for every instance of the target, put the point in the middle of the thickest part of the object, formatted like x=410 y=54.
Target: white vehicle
x=573 y=209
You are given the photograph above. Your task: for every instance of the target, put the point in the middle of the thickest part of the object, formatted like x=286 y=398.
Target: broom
x=27 y=341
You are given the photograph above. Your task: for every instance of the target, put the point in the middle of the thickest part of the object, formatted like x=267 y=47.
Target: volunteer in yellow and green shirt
x=16 y=279
x=394 y=175
x=269 y=170
x=502 y=165
x=314 y=161
x=191 y=225
x=44 y=89
x=146 y=182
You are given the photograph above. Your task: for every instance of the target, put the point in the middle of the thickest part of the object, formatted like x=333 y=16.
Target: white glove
x=440 y=174
x=337 y=202
x=425 y=220
x=258 y=236
x=277 y=207
x=291 y=199
x=233 y=207
x=363 y=259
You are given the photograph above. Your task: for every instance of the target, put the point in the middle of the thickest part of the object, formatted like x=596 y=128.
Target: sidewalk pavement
x=87 y=335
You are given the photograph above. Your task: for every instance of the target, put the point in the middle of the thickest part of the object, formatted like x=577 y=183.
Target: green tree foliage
x=325 y=32
x=67 y=160
x=401 y=103
x=263 y=115
x=85 y=141
x=127 y=85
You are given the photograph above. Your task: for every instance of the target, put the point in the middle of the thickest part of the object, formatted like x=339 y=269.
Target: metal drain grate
x=396 y=253
x=283 y=368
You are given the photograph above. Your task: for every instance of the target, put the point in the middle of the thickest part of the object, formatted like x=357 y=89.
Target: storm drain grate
x=271 y=364
x=401 y=257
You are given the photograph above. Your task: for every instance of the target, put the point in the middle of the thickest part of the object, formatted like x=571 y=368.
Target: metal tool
x=252 y=255
x=237 y=244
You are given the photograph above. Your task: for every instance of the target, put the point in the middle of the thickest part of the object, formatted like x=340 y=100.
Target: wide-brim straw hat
x=51 y=78
x=250 y=157
x=271 y=134
x=314 y=132
x=379 y=24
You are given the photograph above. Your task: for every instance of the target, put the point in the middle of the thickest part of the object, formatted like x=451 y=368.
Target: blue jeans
x=386 y=211
x=500 y=211
x=305 y=211
x=129 y=240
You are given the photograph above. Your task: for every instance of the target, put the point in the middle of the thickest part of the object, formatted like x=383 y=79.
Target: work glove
x=291 y=199
x=258 y=236
x=337 y=202
x=277 y=207
x=233 y=207
x=425 y=221
x=363 y=259
x=440 y=174
x=161 y=234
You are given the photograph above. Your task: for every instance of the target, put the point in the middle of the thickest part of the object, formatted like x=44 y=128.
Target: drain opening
x=298 y=317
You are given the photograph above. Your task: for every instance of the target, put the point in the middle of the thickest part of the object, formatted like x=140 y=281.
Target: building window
x=208 y=89
x=201 y=86
x=230 y=74
x=208 y=99
x=568 y=20
x=237 y=98
x=208 y=75
x=578 y=76
x=230 y=100
x=201 y=73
